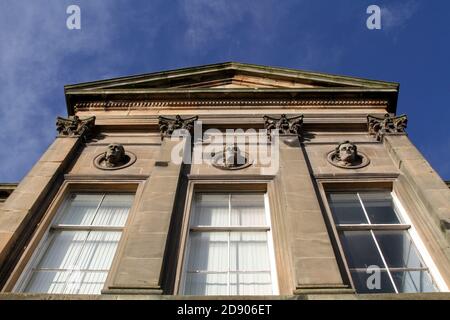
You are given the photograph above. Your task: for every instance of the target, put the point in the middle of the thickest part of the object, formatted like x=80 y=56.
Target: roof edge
x=318 y=76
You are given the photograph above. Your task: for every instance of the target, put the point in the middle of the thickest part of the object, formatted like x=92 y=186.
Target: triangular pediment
x=229 y=83
x=232 y=75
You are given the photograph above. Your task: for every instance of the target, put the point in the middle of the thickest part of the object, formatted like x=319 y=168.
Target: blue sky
x=39 y=55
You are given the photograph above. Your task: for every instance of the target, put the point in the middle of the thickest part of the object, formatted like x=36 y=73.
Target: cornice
x=229 y=91
x=227 y=67
x=204 y=98
x=6 y=189
x=205 y=104
x=180 y=85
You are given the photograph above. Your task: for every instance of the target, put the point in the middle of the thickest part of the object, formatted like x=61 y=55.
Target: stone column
x=22 y=210
x=141 y=267
x=314 y=262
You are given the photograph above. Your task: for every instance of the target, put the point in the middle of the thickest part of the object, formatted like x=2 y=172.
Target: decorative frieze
x=155 y=104
x=168 y=125
x=75 y=127
x=346 y=156
x=284 y=125
x=379 y=127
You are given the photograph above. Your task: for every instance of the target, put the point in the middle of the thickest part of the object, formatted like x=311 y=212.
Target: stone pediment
x=229 y=84
x=232 y=75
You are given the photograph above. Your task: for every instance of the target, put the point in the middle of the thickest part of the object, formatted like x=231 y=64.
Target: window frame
x=224 y=187
x=40 y=237
x=405 y=223
x=56 y=227
x=420 y=245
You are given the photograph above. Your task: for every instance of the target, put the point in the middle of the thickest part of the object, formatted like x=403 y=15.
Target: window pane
x=360 y=249
x=114 y=210
x=77 y=262
x=346 y=208
x=80 y=209
x=211 y=210
x=249 y=251
x=206 y=284
x=379 y=207
x=372 y=282
x=85 y=282
x=228 y=262
x=251 y=283
x=208 y=251
x=47 y=281
x=98 y=251
x=413 y=281
x=67 y=282
x=64 y=249
x=247 y=210
x=398 y=249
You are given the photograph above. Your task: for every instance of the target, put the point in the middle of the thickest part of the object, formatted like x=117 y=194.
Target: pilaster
x=24 y=207
x=315 y=267
x=141 y=262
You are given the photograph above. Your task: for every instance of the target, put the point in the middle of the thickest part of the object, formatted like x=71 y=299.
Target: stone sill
x=404 y=296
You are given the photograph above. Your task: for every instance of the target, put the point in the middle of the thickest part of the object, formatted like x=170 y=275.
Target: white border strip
x=438 y=279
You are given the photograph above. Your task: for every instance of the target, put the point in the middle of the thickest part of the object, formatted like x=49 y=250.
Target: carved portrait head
x=231 y=158
x=346 y=155
x=115 y=157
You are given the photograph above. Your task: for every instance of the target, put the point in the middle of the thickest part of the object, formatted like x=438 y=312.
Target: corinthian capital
x=284 y=125
x=75 y=127
x=168 y=125
x=379 y=127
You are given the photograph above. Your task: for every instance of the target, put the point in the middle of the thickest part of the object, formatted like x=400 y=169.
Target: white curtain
x=211 y=210
x=80 y=209
x=222 y=210
x=228 y=262
x=113 y=211
x=249 y=264
x=77 y=262
x=247 y=210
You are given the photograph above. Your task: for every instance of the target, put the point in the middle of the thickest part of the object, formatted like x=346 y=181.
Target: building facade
x=228 y=180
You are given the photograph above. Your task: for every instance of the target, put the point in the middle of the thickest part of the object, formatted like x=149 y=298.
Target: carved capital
x=284 y=125
x=445 y=224
x=167 y=126
x=379 y=127
x=75 y=127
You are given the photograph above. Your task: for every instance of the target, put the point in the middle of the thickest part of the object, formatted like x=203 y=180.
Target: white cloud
x=35 y=47
x=214 y=20
x=397 y=15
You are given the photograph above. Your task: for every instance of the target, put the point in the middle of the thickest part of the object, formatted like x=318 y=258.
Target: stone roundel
x=361 y=161
x=100 y=160
x=219 y=161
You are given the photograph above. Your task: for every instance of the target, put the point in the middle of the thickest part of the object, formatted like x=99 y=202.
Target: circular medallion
x=360 y=161
x=127 y=160
x=231 y=158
